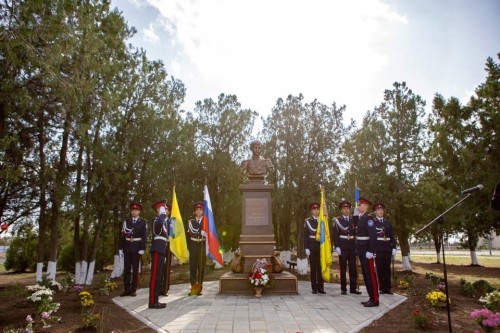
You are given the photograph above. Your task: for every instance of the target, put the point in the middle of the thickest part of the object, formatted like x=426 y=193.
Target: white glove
x=338 y=250
x=120 y=253
x=356 y=212
x=394 y=251
x=308 y=253
x=204 y=233
x=141 y=252
x=162 y=210
x=369 y=255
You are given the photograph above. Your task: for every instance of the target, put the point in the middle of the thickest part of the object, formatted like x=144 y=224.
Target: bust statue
x=257 y=167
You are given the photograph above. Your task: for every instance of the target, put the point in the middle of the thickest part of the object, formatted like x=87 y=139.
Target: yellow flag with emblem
x=323 y=236
x=177 y=235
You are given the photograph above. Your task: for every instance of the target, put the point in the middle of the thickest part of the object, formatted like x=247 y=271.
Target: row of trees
x=89 y=123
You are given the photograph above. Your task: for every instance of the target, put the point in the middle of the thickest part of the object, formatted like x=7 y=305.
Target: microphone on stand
x=472 y=189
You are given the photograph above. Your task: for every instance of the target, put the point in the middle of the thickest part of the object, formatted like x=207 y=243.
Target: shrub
x=482 y=286
x=467 y=289
x=491 y=301
x=422 y=321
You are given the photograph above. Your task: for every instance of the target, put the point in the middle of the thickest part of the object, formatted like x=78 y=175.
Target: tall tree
x=304 y=141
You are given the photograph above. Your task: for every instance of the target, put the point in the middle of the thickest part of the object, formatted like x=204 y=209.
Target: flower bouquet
x=260 y=276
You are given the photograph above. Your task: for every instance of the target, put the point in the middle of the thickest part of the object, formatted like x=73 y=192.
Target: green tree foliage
x=222 y=134
x=20 y=255
x=304 y=141
x=466 y=143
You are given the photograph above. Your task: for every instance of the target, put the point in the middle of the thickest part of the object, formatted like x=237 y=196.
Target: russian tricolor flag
x=213 y=247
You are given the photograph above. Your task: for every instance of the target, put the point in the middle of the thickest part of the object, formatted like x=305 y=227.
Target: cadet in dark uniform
x=197 y=250
x=312 y=249
x=386 y=248
x=160 y=229
x=132 y=244
x=366 y=242
x=345 y=245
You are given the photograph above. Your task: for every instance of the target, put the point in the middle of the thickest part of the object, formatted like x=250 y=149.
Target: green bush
x=468 y=289
x=482 y=286
x=21 y=254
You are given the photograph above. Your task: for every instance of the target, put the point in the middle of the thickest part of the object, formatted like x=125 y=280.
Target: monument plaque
x=257 y=211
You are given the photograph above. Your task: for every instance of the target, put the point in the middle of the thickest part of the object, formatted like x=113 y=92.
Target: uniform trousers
x=157 y=270
x=383 y=262
x=370 y=277
x=197 y=261
x=317 y=283
x=348 y=257
x=131 y=270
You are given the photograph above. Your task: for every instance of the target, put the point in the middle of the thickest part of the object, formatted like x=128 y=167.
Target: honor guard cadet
x=197 y=250
x=345 y=245
x=313 y=249
x=132 y=244
x=160 y=230
x=366 y=242
x=386 y=248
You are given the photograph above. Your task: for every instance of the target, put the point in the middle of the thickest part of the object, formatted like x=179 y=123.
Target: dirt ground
x=14 y=308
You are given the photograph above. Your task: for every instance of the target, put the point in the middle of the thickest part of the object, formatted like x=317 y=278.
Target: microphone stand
x=440 y=221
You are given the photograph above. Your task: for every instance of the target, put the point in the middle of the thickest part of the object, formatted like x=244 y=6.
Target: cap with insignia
x=198 y=204
x=135 y=205
x=344 y=203
x=161 y=203
x=378 y=205
x=314 y=205
x=363 y=200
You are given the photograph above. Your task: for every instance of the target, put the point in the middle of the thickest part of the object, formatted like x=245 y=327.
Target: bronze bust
x=257 y=167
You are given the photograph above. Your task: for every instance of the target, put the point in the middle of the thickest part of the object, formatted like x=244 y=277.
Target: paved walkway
x=303 y=313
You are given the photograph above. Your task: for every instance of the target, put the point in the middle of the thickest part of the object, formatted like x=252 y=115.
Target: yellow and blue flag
x=356 y=194
x=323 y=236
x=177 y=235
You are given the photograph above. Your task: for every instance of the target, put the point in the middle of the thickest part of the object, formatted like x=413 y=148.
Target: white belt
x=134 y=239
x=162 y=238
x=383 y=239
x=363 y=238
x=197 y=239
x=346 y=237
x=313 y=237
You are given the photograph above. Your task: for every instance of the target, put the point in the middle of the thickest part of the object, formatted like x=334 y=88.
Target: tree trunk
x=57 y=196
x=42 y=222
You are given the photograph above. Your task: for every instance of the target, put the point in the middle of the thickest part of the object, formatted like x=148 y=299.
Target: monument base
x=285 y=283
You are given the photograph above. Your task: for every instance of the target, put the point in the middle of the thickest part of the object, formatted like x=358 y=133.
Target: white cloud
x=150 y=34
x=262 y=50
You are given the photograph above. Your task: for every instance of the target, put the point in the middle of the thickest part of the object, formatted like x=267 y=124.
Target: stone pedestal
x=257 y=242
x=257 y=237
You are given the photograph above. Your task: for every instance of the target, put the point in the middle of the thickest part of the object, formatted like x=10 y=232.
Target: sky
x=343 y=52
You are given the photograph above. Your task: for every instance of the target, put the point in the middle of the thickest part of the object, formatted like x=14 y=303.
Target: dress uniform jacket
x=310 y=242
x=134 y=235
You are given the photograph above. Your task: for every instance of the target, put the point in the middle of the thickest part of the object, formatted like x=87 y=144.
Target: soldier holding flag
x=312 y=248
x=197 y=250
x=366 y=245
x=160 y=230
